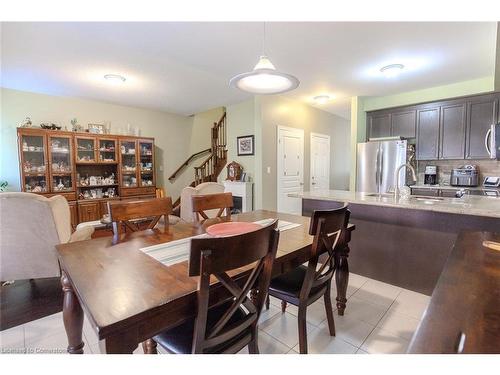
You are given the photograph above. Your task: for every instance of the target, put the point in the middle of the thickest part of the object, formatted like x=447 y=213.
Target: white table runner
x=173 y=252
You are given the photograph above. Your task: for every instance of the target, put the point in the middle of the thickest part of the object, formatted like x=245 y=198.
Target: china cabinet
x=87 y=169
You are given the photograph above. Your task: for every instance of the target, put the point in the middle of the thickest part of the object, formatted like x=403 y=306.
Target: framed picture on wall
x=245 y=145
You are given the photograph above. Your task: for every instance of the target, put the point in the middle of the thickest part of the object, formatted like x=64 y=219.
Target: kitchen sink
x=431 y=199
x=379 y=195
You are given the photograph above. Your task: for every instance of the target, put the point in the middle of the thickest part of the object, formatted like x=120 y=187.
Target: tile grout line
x=382 y=317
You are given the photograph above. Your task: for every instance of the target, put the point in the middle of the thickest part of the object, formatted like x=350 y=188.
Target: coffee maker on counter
x=430 y=176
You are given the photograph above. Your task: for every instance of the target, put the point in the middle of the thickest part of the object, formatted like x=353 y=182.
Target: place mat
x=232 y=228
x=173 y=252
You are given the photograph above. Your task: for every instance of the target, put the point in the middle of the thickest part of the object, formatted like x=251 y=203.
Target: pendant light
x=264 y=78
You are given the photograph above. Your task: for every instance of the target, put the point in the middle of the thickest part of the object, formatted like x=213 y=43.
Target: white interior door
x=320 y=162
x=290 y=169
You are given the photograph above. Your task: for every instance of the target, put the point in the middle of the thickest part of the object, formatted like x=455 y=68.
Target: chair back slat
x=327 y=227
x=124 y=213
x=222 y=202
x=217 y=256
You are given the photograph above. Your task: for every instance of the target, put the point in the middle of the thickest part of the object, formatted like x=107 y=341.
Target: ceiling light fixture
x=392 y=70
x=264 y=78
x=114 y=78
x=321 y=99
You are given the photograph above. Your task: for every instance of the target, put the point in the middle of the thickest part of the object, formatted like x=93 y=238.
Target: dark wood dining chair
x=231 y=325
x=305 y=284
x=128 y=214
x=223 y=202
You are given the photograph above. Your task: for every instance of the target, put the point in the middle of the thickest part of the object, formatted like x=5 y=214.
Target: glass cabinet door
x=146 y=164
x=107 y=150
x=128 y=163
x=85 y=150
x=34 y=163
x=60 y=164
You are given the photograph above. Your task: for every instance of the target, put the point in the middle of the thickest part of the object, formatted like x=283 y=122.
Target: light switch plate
x=268 y=170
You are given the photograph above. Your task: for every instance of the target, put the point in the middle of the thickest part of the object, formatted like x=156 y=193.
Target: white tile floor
x=380 y=318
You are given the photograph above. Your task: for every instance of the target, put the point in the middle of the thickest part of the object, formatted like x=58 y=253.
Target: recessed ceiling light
x=392 y=70
x=321 y=99
x=114 y=78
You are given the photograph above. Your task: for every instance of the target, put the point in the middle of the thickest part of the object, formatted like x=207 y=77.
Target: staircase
x=212 y=166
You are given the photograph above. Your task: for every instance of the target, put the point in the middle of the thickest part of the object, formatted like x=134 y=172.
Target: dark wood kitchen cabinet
x=452 y=130
x=403 y=123
x=428 y=133
x=379 y=125
x=482 y=111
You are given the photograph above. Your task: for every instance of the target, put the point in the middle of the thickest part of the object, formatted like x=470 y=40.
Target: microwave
x=492 y=141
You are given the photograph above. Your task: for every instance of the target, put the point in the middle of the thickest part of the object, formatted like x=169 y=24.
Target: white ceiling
x=185 y=67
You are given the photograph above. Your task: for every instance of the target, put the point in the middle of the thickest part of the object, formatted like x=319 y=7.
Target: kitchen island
x=405 y=241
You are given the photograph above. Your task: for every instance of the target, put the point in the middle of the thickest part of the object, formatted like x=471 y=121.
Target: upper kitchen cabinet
x=404 y=123
x=379 y=125
x=482 y=111
x=428 y=132
x=452 y=130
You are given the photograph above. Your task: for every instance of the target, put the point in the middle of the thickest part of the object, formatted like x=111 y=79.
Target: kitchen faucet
x=396 y=177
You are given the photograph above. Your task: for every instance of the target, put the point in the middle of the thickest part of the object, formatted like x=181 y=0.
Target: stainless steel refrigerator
x=376 y=164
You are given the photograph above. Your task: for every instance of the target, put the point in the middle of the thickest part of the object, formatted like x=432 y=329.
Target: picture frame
x=96 y=128
x=245 y=145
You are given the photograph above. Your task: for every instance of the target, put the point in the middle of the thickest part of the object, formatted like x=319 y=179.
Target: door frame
x=325 y=136
x=279 y=164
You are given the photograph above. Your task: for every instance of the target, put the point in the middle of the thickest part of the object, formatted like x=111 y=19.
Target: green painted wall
x=475 y=86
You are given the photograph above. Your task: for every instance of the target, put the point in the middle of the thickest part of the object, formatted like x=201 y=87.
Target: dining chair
x=306 y=284
x=231 y=325
x=128 y=214
x=222 y=202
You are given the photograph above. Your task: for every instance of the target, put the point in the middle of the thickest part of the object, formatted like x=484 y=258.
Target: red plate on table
x=232 y=228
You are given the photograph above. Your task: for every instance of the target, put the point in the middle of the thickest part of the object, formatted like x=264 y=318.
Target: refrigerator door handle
x=377 y=170
x=381 y=174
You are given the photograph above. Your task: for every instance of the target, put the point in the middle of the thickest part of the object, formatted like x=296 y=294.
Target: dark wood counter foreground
x=465 y=302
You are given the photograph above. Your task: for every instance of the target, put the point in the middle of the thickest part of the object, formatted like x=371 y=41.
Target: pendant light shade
x=264 y=79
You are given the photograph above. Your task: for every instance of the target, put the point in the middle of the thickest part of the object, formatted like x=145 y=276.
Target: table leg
x=341 y=278
x=149 y=346
x=72 y=316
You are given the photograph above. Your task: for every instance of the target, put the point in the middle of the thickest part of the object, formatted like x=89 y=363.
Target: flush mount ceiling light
x=114 y=78
x=264 y=78
x=321 y=99
x=392 y=70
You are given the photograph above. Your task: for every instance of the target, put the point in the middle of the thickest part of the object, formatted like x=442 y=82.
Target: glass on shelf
x=129 y=180
x=107 y=150
x=127 y=150
x=146 y=148
x=62 y=183
x=146 y=180
x=35 y=184
x=33 y=154
x=98 y=193
x=85 y=150
x=60 y=155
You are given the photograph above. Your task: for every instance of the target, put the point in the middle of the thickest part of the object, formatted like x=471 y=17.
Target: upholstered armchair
x=202 y=189
x=30 y=227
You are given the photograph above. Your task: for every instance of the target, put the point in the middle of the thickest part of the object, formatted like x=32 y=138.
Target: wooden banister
x=211 y=167
x=188 y=160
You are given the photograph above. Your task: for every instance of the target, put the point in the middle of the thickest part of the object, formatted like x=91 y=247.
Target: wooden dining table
x=128 y=296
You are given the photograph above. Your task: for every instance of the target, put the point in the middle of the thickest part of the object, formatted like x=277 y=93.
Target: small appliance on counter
x=430 y=176
x=466 y=175
x=491 y=182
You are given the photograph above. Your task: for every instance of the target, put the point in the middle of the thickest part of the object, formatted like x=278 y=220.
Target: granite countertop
x=479 y=188
x=467 y=205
